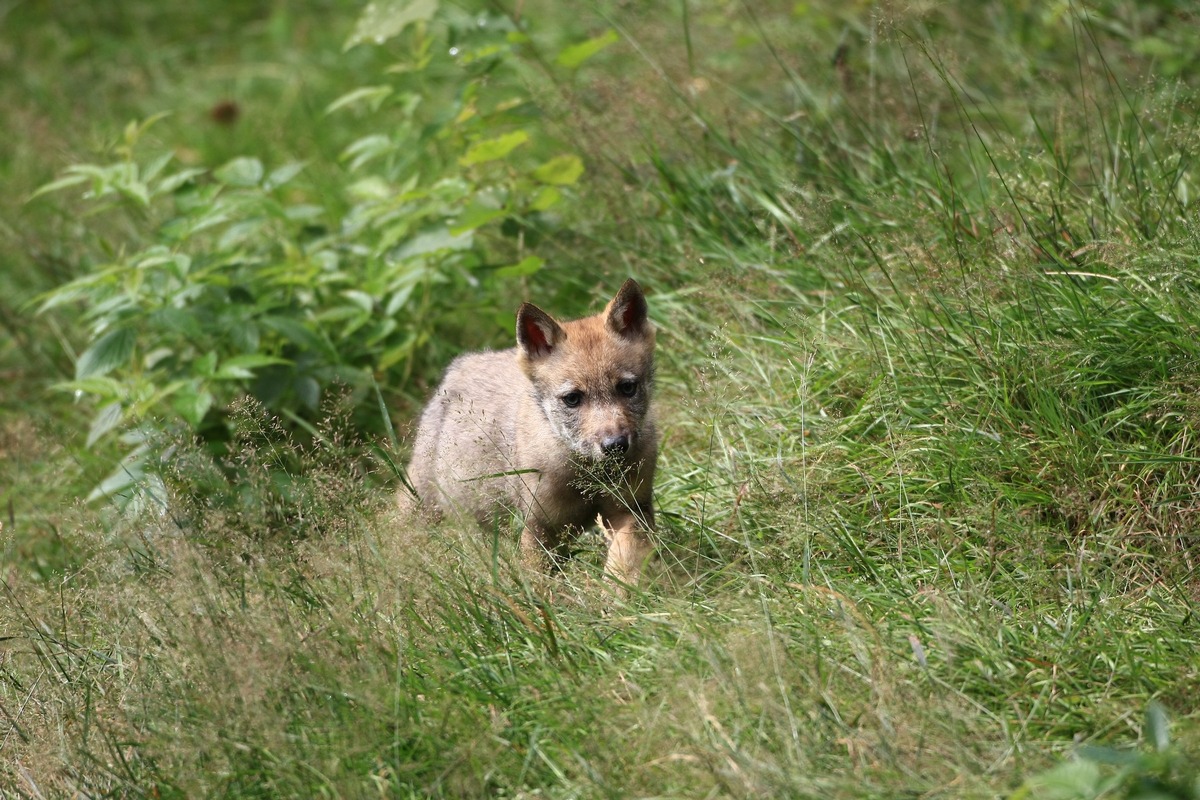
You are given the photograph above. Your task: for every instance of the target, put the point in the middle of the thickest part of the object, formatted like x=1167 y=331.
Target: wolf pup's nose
x=615 y=445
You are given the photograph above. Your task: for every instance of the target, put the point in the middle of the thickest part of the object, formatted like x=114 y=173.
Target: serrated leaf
x=385 y=19
x=242 y=171
x=571 y=57
x=526 y=266
x=106 y=419
x=493 y=149
x=110 y=351
x=560 y=170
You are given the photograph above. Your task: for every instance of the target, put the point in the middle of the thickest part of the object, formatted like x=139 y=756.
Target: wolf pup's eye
x=627 y=388
x=572 y=399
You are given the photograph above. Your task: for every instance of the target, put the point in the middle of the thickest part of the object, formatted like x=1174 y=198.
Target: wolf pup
x=558 y=429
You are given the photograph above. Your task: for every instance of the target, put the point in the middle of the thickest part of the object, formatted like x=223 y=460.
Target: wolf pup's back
x=557 y=430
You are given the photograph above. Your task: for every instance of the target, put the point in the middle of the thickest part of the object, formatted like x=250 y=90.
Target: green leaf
x=381 y=331
x=474 y=217
x=127 y=474
x=80 y=287
x=398 y=300
x=241 y=367
x=304 y=212
x=106 y=419
x=174 y=181
x=282 y=175
x=62 y=183
x=526 y=266
x=385 y=19
x=135 y=130
x=1158 y=729
x=176 y=320
x=1071 y=780
x=479 y=54
x=193 y=403
x=400 y=352
x=546 y=197
x=241 y=171
x=104 y=388
x=492 y=149
x=308 y=390
x=560 y=171
x=371 y=188
x=362 y=300
x=299 y=334
x=206 y=365
x=151 y=170
x=433 y=242
x=373 y=96
x=107 y=353
x=135 y=191
x=1155 y=47
x=571 y=57
x=363 y=150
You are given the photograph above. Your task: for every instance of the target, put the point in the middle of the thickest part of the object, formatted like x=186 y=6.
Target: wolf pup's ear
x=537 y=332
x=627 y=311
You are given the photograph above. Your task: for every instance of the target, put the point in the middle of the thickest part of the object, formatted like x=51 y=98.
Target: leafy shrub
x=240 y=279
x=1163 y=773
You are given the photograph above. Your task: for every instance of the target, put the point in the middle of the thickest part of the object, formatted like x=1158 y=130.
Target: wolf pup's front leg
x=628 y=545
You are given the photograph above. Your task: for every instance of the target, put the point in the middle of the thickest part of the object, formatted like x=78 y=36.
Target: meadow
x=926 y=279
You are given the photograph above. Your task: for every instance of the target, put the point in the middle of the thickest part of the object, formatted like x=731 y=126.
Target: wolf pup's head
x=593 y=377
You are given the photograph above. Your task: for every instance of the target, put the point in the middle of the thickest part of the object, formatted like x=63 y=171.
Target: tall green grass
x=925 y=287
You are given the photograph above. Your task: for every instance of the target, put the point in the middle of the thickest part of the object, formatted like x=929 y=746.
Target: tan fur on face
x=558 y=430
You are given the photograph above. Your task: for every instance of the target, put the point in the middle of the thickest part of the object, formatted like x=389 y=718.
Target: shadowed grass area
x=927 y=305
